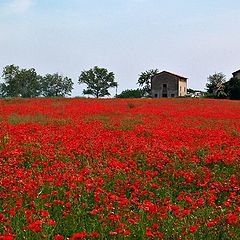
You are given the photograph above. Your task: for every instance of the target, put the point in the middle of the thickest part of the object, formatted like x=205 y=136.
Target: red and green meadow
x=119 y=169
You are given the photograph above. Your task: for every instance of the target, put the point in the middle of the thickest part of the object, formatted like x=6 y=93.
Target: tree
x=233 y=88
x=20 y=82
x=144 y=81
x=55 y=85
x=98 y=81
x=10 y=86
x=189 y=90
x=131 y=93
x=215 y=83
x=220 y=91
x=2 y=90
x=29 y=83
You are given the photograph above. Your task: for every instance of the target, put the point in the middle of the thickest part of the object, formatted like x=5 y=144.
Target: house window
x=164 y=91
x=172 y=95
x=180 y=88
x=156 y=95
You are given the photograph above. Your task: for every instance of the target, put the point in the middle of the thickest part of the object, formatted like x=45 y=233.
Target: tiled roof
x=236 y=72
x=172 y=74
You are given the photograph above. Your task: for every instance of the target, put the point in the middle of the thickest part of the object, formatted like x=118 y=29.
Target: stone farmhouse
x=236 y=74
x=168 y=85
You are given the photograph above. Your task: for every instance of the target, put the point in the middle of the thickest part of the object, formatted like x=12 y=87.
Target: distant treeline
x=27 y=83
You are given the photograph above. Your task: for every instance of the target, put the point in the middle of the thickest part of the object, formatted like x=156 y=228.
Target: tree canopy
x=131 y=93
x=233 y=88
x=215 y=84
x=55 y=85
x=20 y=82
x=98 y=81
x=144 y=80
x=27 y=83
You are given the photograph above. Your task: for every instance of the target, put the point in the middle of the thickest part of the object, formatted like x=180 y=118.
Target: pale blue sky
x=189 y=37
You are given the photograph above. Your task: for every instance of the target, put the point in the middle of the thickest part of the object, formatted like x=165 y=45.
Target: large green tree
x=215 y=84
x=11 y=85
x=20 y=82
x=55 y=85
x=144 y=81
x=98 y=81
x=233 y=88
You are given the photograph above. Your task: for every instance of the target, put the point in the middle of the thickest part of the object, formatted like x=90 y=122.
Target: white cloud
x=16 y=6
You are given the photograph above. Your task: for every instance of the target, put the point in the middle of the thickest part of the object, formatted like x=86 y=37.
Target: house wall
x=182 y=90
x=173 y=85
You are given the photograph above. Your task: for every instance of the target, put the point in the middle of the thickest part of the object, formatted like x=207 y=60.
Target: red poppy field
x=119 y=169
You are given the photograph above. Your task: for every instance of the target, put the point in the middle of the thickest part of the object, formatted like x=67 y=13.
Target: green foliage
x=2 y=89
x=144 y=81
x=27 y=83
x=209 y=95
x=20 y=82
x=131 y=93
x=19 y=119
x=9 y=75
x=98 y=81
x=216 y=85
x=214 y=80
x=233 y=88
x=55 y=85
x=15 y=119
x=131 y=105
x=189 y=90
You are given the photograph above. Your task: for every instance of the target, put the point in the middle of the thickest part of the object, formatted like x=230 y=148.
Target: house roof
x=236 y=72
x=176 y=75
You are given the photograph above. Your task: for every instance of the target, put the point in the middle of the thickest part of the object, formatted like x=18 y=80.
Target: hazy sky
x=193 y=38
